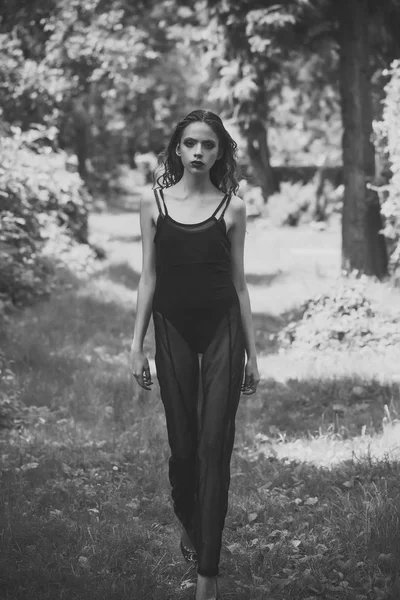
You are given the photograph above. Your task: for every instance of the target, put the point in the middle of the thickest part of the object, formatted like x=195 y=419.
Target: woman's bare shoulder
x=147 y=196
x=148 y=206
x=148 y=201
x=238 y=205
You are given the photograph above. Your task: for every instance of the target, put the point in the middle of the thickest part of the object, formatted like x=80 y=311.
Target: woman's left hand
x=251 y=377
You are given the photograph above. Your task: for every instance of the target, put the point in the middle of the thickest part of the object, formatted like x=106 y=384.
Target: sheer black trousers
x=201 y=434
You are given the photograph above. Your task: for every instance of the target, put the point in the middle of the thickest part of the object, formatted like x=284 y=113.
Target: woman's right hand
x=140 y=369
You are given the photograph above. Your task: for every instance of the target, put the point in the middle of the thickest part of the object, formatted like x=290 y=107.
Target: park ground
x=314 y=507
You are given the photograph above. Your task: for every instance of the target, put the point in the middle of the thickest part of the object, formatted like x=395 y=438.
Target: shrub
x=291 y=204
x=297 y=203
x=388 y=146
x=29 y=88
x=37 y=195
x=347 y=316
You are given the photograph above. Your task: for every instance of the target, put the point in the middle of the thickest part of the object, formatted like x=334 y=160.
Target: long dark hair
x=224 y=172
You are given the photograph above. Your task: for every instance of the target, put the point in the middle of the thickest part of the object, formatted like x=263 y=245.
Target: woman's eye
x=189 y=143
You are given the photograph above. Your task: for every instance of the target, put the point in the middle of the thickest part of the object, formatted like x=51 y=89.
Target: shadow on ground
x=120 y=273
x=264 y=279
x=301 y=407
x=125 y=239
x=267 y=327
x=72 y=351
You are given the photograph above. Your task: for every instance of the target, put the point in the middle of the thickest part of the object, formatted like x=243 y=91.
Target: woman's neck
x=198 y=185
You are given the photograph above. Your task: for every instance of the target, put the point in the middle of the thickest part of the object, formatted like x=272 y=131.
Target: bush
x=347 y=316
x=291 y=205
x=296 y=203
x=388 y=146
x=39 y=200
x=29 y=88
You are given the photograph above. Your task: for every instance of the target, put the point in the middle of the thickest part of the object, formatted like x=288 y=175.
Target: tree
x=247 y=77
x=113 y=74
x=347 y=25
x=363 y=246
x=270 y=81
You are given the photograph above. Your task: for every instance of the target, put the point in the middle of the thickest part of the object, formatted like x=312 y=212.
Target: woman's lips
x=197 y=163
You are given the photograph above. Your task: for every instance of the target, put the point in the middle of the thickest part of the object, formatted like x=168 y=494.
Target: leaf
x=185 y=585
x=30 y=466
x=67 y=469
x=311 y=501
x=83 y=562
x=352 y=564
x=233 y=547
x=290 y=519
x=254 y=542
x=266 y=486
x=379 y=594
x=252 y=517
x=385 y=560
x=275 y=532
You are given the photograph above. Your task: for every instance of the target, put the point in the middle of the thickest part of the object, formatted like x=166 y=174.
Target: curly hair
x=223 y=173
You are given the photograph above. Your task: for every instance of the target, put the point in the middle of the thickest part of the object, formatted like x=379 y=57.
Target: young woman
x=193 y=283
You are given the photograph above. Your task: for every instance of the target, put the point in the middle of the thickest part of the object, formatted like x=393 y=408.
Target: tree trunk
x=131 y=148
x=81 y=126
x=377 y=249
x=363 y=248
x=257 y=148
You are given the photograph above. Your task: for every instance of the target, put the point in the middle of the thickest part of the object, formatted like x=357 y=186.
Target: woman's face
x=198 y=148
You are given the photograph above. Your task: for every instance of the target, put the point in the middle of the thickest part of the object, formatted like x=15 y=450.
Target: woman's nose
x=198 y=150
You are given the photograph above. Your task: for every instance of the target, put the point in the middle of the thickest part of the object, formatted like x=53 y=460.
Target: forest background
x=89 y=92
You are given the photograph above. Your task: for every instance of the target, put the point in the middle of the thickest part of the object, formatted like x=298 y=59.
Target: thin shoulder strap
x=158 y=194
x=216 y=211
x=226 y=199
x=160 y=191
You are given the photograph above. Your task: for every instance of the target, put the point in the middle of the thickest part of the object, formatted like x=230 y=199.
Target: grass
x=314 y=506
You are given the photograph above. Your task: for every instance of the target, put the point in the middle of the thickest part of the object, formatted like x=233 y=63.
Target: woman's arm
x=237 y=234
x=147 y=282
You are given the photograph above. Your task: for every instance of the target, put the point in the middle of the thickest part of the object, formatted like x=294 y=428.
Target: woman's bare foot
x=206 y=588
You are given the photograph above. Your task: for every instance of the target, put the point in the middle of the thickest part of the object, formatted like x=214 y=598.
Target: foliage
x=40 y=201
x=280 y=62
x=111 y=76
x=249 y=60
x=344 y=317
x=296 y=203
x=10 y=406
x=388 y=141
x=292 y=205
x=28 y=89
x=263 y=72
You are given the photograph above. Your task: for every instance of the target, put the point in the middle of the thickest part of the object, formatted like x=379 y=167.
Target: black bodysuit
x=196 y=311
